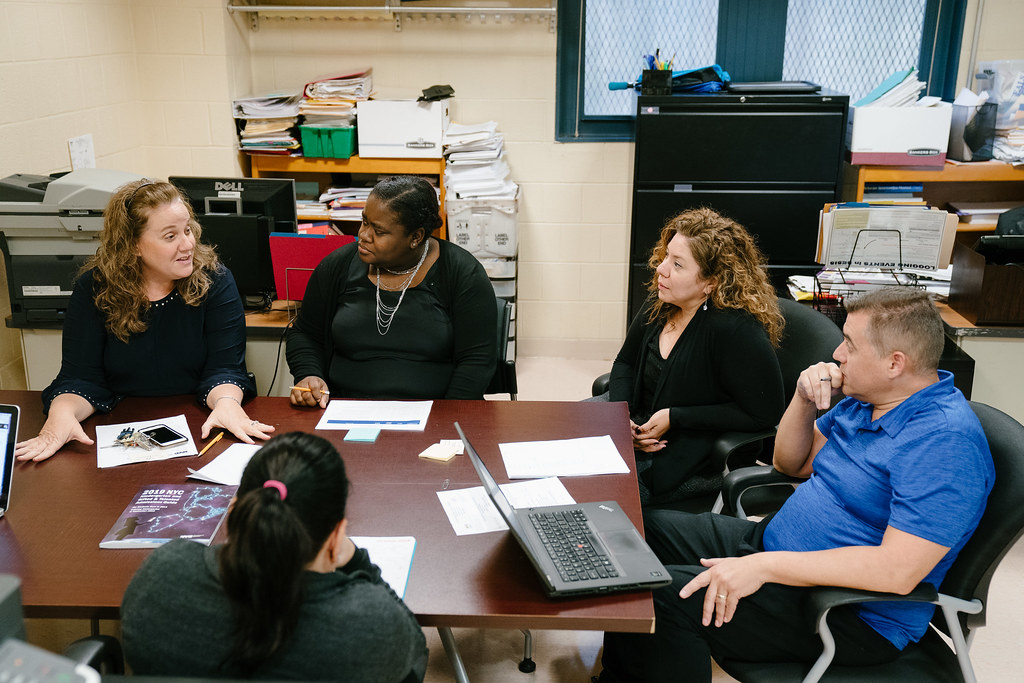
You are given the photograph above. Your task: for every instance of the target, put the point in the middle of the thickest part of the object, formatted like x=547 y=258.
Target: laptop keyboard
x=576 y=552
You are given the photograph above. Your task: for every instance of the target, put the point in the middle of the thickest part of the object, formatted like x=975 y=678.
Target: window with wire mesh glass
x=851 y=46
x=845 y=45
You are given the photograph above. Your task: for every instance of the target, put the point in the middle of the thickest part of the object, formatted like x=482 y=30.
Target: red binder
x=295 y=256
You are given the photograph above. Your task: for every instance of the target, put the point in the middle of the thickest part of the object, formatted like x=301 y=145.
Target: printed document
x=410 y=416
x=471 y=510
x=111 y=454
x=227 y=467
x=562 y=458
x=393 y=554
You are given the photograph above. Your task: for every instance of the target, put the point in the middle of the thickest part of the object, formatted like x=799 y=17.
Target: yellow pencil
x=324 y=392
x=212 y=441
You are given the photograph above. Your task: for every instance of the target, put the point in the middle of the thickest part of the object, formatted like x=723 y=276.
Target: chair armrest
x=825 y=598
x=739 y=481
x=601 y=384
x=728 y=443
x=102 y=653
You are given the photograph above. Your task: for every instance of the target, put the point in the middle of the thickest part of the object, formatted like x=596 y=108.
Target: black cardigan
x=463 y=289
x=721 y=375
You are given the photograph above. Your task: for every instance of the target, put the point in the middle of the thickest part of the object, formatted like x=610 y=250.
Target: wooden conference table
x=62 y=507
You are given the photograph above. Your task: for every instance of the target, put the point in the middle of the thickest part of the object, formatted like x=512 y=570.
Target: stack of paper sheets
x=331 y=101
x=901 y=89
x=476 y=165
x=266 y=123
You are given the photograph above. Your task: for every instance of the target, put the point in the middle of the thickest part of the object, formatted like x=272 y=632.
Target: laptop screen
x=8 y=437
x=492 y=488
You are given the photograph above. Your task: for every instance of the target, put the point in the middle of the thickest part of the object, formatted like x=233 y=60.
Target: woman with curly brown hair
x=154 y=313
x=698 y=358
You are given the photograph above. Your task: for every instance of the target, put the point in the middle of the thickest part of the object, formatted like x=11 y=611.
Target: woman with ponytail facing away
x=288 y=596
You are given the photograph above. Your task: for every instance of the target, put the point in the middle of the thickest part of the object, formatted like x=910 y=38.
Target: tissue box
x=899 y=136
x=401 y=129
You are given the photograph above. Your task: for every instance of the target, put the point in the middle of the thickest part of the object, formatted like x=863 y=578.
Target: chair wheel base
x=527 y=666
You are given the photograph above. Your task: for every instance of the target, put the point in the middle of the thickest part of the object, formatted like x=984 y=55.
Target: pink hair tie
x=275 y=484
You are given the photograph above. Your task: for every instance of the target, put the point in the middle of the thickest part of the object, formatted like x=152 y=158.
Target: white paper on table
x=562 y=458
x=227 y=467
x=401 y=415
x=109 y=455
x=471 y=511
x=393 y=554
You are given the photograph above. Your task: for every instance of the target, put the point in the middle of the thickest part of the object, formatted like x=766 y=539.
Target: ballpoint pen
x=212 y=441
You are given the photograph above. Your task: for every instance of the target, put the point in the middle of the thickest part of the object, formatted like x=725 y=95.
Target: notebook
x=608 y=553
x=8 y=437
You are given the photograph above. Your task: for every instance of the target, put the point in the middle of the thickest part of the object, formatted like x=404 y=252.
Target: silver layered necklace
x=385 y=313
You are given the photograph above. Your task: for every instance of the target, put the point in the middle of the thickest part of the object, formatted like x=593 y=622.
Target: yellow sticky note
x=437 y=451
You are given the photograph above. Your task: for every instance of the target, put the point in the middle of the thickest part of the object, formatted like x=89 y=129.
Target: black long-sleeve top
x=441 y=344
x=721 y=375
x=184 y=350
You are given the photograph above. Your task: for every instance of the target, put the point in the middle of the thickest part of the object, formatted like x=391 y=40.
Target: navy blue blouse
x=184 y=349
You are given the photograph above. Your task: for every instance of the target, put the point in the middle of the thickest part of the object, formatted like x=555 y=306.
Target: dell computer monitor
x=237 y=216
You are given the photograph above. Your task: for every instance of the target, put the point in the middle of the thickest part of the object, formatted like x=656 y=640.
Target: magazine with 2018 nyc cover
x=162 y=512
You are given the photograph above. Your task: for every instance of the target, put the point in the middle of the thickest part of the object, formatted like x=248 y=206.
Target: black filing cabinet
x=768 y=161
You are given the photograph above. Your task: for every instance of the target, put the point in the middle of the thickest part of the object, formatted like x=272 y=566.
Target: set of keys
x=129 y=438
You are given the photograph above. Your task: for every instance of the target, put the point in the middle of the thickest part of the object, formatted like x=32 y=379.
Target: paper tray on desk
x=294 y=257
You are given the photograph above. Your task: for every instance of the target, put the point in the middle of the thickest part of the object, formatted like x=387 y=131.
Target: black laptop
x=578 y=549
x=8 y=437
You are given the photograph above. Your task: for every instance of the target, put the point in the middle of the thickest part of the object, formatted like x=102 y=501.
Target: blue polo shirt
x=923 y=468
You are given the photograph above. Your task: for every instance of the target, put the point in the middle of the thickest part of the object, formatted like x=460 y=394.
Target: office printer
x=49 y=226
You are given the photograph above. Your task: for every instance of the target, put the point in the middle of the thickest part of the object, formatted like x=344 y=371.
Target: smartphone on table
x=163 y=436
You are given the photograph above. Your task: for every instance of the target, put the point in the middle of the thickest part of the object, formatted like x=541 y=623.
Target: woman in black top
x=398 y=314
x=698 y=358
x=154 y=314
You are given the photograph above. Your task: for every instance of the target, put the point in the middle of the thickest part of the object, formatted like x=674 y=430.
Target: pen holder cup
x=656 y=82
x=972 y=132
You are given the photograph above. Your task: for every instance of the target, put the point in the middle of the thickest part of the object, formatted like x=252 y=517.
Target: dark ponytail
x=274 y=532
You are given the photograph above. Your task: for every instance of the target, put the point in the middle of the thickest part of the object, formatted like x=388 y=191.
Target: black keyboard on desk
x=577 y=553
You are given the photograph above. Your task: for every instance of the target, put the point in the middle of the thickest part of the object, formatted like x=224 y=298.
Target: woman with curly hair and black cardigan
x=153 y=314
x=698 y=359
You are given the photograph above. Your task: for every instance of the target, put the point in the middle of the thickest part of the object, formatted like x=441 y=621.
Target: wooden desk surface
x=62 y=507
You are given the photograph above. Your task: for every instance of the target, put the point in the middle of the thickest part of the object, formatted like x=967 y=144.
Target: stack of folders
x=331 y=101
x=476 y=166
x=266 y=123
x=901 y=89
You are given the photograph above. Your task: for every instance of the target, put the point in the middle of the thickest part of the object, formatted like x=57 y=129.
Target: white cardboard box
x=401 y=129
x=899 y=136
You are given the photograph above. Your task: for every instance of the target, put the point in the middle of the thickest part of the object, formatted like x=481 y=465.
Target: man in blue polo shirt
x=899 y=474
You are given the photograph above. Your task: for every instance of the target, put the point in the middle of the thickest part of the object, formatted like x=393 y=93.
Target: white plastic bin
x=484 y=227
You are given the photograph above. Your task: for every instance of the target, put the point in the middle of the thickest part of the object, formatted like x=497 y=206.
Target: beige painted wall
x=152 y=80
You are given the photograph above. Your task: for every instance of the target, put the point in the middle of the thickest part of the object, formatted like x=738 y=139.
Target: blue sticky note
x=368 y=434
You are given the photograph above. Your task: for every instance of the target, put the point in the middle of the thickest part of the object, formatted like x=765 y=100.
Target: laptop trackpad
x=625 y=541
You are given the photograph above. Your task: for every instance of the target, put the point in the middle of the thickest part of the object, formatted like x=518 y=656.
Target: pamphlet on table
x=163 y=512
x=399 y=415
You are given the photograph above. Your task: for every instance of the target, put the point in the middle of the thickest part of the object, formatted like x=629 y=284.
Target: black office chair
x=808 y=337
x=962 y=597
x=504 y=379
